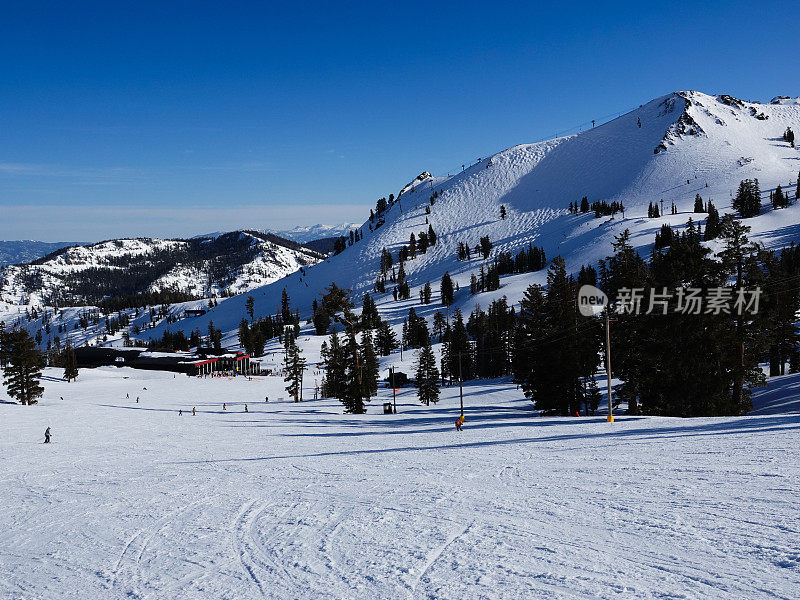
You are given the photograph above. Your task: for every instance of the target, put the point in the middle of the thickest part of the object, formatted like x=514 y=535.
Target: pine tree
x=386 y=261
x=431 y=235
x=485 y=246
x=698 y=204
x=418 y=333
x=70 y=363
x=214 y=336
x=337 y=299
x=369 y=366
x=503 y=211
x=585 y=204
x=22 y=366
x=332 y=354
x=250 y=307
x=557 y=353
x=294 y=365
x=457 y=346
x=244 y=334
x=446 y=289
x=439 y=325
x=385 y=339
x=427 y=376
x=369 y=313
x=286 y=311
x=712 y=222
x=779 y=198
x=322 y=321
x=352 y=395
x=748 y=198
x=426 y=293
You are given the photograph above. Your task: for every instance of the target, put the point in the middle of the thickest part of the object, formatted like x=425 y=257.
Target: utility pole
x=460 y=385
x=394 y=389
x=610 y=417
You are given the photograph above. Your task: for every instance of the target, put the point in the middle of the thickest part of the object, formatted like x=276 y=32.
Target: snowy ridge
x=227 y=264
x=688 y=143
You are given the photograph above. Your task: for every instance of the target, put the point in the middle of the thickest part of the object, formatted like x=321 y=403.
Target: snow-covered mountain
x=301 y=234
x=671 y=148
x=222 y=265
x=18 y=251
x=308 y=233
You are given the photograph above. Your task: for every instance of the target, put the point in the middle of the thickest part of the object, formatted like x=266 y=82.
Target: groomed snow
x=299 y=501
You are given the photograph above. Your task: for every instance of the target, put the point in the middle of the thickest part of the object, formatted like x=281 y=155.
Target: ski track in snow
x=297 y=501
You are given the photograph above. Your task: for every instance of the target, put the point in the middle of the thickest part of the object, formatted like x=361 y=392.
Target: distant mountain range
x=18 y=251
x=305 y=234
x=317 y=237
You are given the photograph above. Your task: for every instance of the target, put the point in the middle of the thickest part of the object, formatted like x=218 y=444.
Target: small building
x=225 y=363
x=229 y=364
x=194 y=312
x=400 y=380
x=203 y=367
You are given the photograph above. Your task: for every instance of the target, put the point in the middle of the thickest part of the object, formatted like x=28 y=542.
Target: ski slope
x=298 y=501
x=688 y=143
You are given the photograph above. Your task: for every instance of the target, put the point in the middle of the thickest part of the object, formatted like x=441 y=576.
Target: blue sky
x=176 y=118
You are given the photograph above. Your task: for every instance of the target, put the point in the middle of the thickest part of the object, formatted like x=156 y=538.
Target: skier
x=128 y=396
x=459 y=422
x=47 y=436
x=194 y=411
x=180 y=412
x=266 y=398
x=245 y=408
x=224 y=406
x=137 y=399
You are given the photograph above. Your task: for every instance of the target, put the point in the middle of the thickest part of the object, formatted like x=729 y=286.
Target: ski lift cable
x=579 y=127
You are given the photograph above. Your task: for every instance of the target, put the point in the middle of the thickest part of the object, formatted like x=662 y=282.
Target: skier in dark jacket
x=47 y=436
